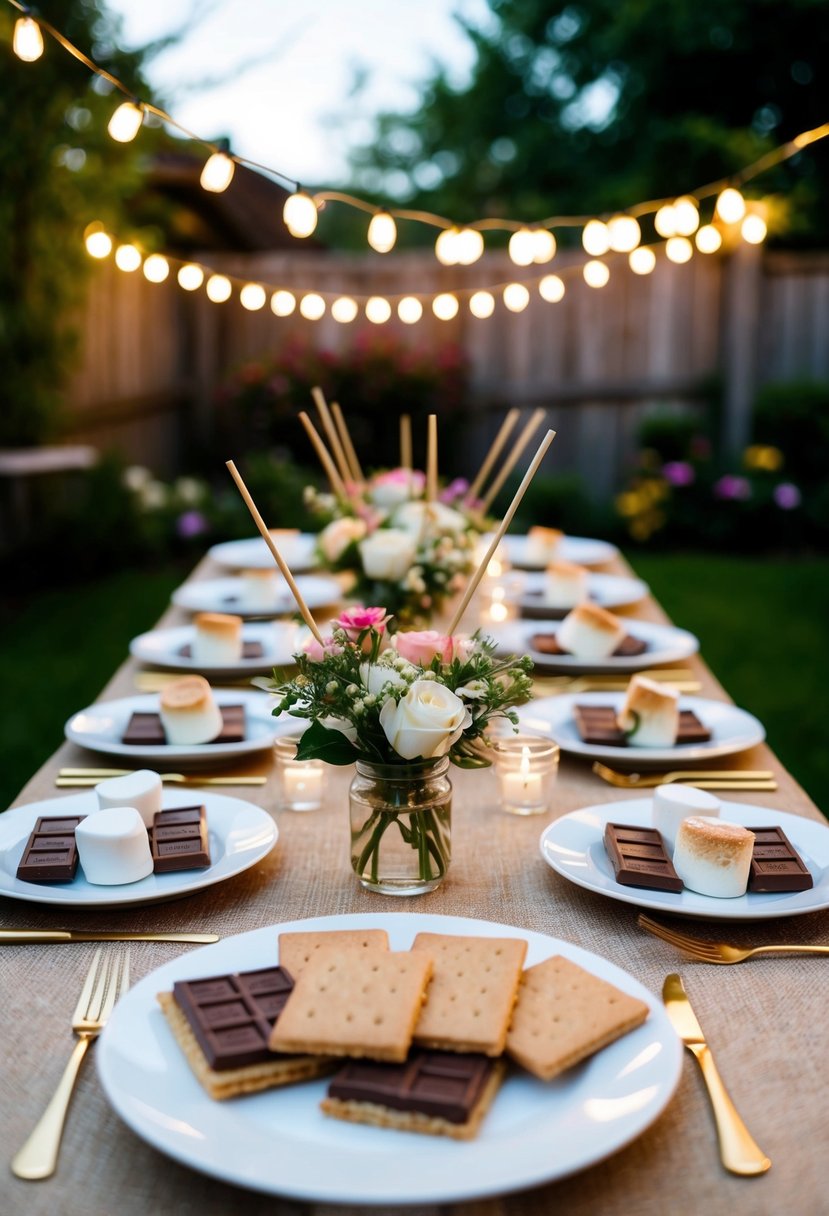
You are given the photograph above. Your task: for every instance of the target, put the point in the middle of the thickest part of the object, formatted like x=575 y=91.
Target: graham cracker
x=354 y=1003
x=297 y=949
x=472 y=993
x=565 y=1014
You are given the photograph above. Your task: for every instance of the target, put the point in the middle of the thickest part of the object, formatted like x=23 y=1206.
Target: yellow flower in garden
x=762 y=456
x=629 y=503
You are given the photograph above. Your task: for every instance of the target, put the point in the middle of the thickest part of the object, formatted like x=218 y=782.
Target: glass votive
x=526 y=767
x=300 y=783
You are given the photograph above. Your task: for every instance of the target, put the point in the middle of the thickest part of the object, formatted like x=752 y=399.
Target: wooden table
x=766 y=1019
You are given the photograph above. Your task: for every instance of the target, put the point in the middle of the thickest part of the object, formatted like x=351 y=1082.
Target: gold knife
x=17 y=936
x=66 y=783
x=738 y=1151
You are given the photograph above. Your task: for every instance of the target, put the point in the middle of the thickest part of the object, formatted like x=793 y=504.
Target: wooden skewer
x=350 y=453
x=337 y=484
x=536 y=418
x=405 y=441
x=331 y=433
x=432 y=459
x=493 y=453
x=505 y=523
x=278 y=558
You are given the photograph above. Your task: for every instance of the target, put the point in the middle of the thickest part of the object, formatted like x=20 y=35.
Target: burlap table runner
x=766 y=1019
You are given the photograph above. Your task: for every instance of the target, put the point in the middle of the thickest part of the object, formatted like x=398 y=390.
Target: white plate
x=253 y=554
x=240 y=835
x=573 y=846
x=279 y=1142
x=581 y=550
x=226 y=595
x=607 y=590
x=732 y=730
x=665 y=645
x=101 y=727
x=162 y=648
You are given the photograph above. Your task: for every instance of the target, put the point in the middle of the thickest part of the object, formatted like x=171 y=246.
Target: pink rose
x=317 y=651
x=462 y=647
x=421 y=646
x=353 y=621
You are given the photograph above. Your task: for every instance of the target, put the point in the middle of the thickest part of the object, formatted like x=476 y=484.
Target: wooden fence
x=600 y=360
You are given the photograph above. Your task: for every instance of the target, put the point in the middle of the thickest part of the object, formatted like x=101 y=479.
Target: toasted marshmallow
x=113 y=847
x=673 y=802
x=541 y=545
x=565 y=585
x=650 y=713
x=590 y=632
x=713 y=856
x=140 y=790
x=217 y=638
x=188 y=712
x=260 y=589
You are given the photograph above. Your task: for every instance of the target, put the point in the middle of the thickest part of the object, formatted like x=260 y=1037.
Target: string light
x=344 y=310
x=642 y=260
x=218 y=288
x=624 y=233
x=378 y=310
x=595 y=238
x=382 y=232
x=312 y=306
x=665 y=221
x=27 y=42
x=708 y=239
x=482 y=304
x=283 y=303
x=126 y=121
x=217 y=173
x=679 y=249
x=98 y=242
x=190 y=277
x=731 y=206
x=596 y=274
x=753 y=229
x=516 y=297
x=300 y=214
x=445 y=306
x=551 y=288
x=470 y=246
x=686 y=216
x=127 y=258
x=253 y=297
x=545 y=245
x=522 y=247
x=410 y=310
x=156 y=268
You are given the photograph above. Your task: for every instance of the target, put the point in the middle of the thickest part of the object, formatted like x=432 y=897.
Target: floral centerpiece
x=402 y=707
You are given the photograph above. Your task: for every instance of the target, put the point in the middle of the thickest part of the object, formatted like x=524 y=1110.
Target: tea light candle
x=526 y=768
x=301 y=782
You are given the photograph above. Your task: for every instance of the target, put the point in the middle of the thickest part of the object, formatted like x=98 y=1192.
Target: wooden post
x=740 y=337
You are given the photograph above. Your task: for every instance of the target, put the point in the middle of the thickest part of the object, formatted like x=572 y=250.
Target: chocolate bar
x=597 y=724
x=232 y=1015
x=178 y=840
x=250 y=650
x=440 y=1084
x=775 y=864
x=544 y=612
x=639 y=859
x=145 y=729
x=628 y=648
x=51 y=854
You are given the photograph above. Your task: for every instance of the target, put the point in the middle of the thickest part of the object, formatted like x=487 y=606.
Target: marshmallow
x=140 y=790
x=259 y=589
x=188 y=712
x=541 y=545
x=674 y=802
x=217 y=638
x=650 y=713
x=713 y=856
x=113 y=847
x=590 y=632
x=565 y=585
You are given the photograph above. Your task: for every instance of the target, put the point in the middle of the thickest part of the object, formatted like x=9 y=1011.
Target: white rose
x=376 y=676
x=387 y=554
x=423 y=518
x=390 y=494
x=338 y=535
x=425 y=722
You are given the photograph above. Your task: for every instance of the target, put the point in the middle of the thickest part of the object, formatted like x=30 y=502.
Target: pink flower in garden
x=787 y=496
x=354 y=621
x=679 y=473
x=455 y=490
x=732 y=488
x=422 y=645
x=317 y=652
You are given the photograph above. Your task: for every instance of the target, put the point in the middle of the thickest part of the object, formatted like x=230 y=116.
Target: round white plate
x=581 y=550
x=280 y=1142
x=253 y=554
x=162 y=648
x=607 y=590
x=665 y=645
x=101 y=727
x=240 y=835
x=732 y=730
x=573 y=847
x=226 y=595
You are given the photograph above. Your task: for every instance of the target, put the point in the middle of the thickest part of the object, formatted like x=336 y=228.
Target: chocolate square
x=145 y=729
x=639 y=858
x=178 y=840
x=435 y=1083
x=547 y=643
x=597 y=724
x=51 y=854
x=232 y=1015
x=775 y=863
x=250 y=650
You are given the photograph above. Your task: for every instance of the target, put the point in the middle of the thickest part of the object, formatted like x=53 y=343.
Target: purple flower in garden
x=679 y=473
x=191 y=523
x=455 y=489
x=787 y=496
x=732 y=488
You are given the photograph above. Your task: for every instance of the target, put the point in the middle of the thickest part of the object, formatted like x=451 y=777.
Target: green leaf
x=320 y=743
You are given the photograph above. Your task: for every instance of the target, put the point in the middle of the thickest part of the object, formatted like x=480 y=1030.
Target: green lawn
x=762 y=622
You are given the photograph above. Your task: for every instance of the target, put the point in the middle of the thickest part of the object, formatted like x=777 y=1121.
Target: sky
x=277 y=77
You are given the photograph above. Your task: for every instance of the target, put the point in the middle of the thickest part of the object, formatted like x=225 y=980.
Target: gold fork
x=718 y=952
x=107 y=979
x=575 y=684
x=68 y=777
x=755 y=778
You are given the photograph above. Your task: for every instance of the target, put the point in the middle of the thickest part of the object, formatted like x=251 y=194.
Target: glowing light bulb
x=445 y=306
x=27 y=43
x=731 y=206
x=551 y=288
x=283 y=303
x=156 y=268
x=312 y=306
x=596 y=274
x=190 y=277
x=686 y=216
x=218 y=288
x=409 y=310
x=753 y=229
x=665 y=221
x=470 y=246
x=126 y=122
x=708 y=239
x=378 y=310
x=545 y=245
x=516 y=297
x=127 y=258
x=679 y=249
x=382 y=232
x=446 y=247
x=522 y=247
x=482 y=304
x=595 y=238
x=642 y=260
x=344 y=310
x=253 y=297
x=98 y=242
x=625 y=233
x=300 y=214
x=217 y=173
